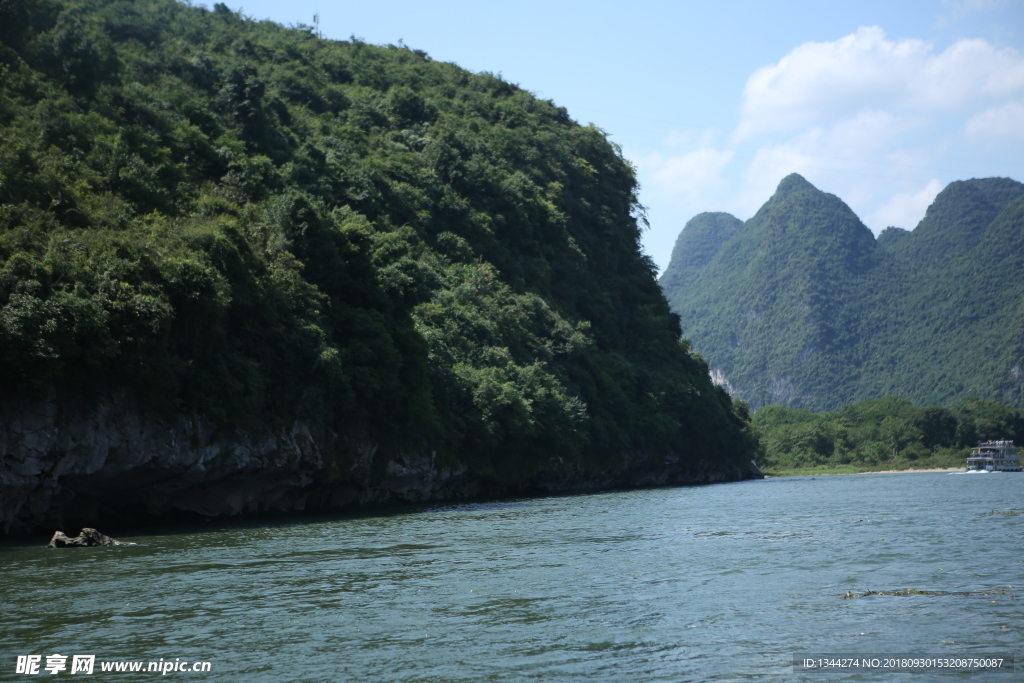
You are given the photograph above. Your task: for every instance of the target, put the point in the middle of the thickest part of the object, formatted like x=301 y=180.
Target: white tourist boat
x=994 y=456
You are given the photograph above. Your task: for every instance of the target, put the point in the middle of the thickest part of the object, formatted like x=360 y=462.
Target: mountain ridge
x=803 y=306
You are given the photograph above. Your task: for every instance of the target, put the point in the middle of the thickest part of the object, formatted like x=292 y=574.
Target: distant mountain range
x=802 y=306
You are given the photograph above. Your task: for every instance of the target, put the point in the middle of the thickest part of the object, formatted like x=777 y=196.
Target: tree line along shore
x=880 y=435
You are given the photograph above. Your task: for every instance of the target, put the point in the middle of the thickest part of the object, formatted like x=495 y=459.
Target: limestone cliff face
x=76 y=462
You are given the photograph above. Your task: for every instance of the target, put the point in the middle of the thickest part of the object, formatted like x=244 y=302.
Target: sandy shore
x=936 y=469
x=843 y=474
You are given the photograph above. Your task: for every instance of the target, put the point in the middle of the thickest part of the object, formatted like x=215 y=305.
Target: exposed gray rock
x=755 y=471
x=86 y=538
x=73 y=461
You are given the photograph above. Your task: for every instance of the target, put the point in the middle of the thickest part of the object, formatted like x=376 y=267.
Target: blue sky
x=880 y=103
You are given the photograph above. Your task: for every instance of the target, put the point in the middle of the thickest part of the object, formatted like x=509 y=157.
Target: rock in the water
x=86 y=538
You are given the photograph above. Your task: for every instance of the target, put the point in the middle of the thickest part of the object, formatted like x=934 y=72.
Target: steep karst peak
x=794 y=182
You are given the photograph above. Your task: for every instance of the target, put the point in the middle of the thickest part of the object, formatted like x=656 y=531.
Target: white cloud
x=690 y=174
x=819 y=82
x=858 y=159
x=906 y=209
x=873 y=120
x=692 y=139
x=1003 y=122
x=883 y=124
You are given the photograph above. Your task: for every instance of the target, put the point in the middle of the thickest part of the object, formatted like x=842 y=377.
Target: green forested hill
x=801 y=306
x=241 y=221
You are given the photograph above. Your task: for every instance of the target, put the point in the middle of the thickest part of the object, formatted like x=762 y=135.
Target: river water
x=714 y=583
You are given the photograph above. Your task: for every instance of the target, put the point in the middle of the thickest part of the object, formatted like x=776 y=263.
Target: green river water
x=713 y=583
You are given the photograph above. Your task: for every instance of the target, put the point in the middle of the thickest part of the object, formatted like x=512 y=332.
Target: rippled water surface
x=720 y=582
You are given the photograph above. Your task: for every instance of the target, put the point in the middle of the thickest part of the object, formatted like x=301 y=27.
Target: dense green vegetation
x=240 y=220
x=801 y=306
x=888 y=433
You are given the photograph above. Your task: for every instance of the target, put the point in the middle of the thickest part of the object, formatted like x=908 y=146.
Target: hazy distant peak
x=998 y=191
x=719 y=223
x=801 y=215
x=715 y=216
x=699 y=242
x=891 y=234
x=959 y=214
x=794 y=182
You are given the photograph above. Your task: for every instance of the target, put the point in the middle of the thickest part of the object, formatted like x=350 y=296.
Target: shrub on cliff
x=242 y=221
